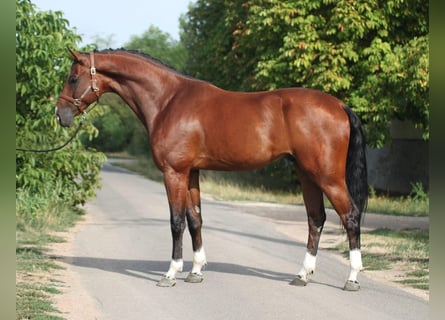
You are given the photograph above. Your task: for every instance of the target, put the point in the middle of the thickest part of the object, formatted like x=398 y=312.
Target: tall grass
x=37 y=217
x=417 y=203
x=41 y=211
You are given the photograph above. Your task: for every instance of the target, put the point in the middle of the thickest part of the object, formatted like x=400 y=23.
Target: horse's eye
x=73 y=80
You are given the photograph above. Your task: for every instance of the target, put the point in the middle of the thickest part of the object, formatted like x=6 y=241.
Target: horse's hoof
x=299 y=281
x=166 y=282
x=194 y=278
x=351 y=286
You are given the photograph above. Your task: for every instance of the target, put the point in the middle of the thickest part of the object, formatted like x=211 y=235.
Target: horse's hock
x=401 y=163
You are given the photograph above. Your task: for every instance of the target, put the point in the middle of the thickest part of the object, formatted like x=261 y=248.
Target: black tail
x=356 y=170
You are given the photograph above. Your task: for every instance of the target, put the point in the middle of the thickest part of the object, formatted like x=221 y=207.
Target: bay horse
x=195 y=125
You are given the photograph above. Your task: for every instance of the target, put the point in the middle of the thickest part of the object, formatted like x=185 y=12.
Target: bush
x=114 y=135
x=42 y=65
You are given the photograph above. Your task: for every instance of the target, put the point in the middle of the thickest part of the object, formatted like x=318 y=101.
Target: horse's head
x=81 y=89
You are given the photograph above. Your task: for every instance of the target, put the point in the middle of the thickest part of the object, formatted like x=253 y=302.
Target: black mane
x=145 y=56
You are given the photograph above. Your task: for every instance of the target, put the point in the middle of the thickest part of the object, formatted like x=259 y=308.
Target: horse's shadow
x=152 y=270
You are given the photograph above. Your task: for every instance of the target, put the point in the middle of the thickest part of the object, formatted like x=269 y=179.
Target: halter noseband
x=77 y=102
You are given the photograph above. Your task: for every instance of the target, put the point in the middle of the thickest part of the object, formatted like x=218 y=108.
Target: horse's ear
x=75 y=54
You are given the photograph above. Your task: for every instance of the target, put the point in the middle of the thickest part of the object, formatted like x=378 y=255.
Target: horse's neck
x=144 y=85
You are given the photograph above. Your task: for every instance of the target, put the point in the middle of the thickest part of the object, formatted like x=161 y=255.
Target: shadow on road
x=254 y=236
x=153 y=270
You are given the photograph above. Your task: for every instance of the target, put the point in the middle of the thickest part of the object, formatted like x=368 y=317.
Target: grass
x=406 y=251
x=251 y=186
x=415 y=204
x=36 y=220
x=34 y=302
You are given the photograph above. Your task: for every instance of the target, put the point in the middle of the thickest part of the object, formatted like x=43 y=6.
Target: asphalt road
x=120 y=254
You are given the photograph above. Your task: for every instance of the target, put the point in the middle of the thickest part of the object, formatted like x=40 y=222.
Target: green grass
x=417 y=279
x=36 y=219
x=252 y=186
x=34 y=302
x=415 y=204
x=405 y=250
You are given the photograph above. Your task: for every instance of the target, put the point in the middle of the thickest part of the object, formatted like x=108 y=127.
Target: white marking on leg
x=199 y=260
x=308 y=266
x=175 y=266
x=355 y=258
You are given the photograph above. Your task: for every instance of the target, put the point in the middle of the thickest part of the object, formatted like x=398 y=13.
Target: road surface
x=123 y=248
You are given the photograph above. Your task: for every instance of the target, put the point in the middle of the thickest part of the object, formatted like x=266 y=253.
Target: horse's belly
x=249 y=158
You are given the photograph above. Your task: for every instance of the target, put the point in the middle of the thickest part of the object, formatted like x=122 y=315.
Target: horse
x=194 y=125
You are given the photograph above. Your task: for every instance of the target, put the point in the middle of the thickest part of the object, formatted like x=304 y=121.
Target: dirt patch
x=74 y=302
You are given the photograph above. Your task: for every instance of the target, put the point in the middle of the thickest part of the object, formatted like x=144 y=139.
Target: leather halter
x=78 y=102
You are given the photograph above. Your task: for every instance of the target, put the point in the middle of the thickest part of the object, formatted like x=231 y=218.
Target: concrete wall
x=403 y=162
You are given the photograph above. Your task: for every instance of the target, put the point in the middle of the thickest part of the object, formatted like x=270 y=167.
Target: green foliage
x=159 y=45
x=42 y=64
x=114 y=126
x=119 y=129
x=139 y=144
x=372 y=54
x=113 y=135
x=418 y=193
x=208 y=34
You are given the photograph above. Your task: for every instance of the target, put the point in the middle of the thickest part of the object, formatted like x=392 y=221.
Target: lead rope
x=84 y=117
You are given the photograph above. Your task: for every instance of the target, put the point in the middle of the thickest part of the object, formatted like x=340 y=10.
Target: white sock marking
x=199 y=260
x=355 y=258
x=308 y=265
x=175 y=266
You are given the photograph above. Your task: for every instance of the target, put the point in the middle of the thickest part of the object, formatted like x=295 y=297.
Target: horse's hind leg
x=350 y=216
x=194 y=222
x=313 y=200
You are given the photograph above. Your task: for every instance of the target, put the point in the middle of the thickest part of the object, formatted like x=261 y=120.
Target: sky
x=119 y=19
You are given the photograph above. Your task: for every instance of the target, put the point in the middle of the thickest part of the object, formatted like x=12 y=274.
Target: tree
x=372 y=54
x=42 y=64
x=208 y=35
x=160 y=45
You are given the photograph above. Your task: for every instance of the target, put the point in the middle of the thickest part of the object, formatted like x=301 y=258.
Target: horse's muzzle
x=64 y=116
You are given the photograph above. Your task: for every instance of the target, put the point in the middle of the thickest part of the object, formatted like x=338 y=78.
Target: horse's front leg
x=176 y=185
x=194 y=222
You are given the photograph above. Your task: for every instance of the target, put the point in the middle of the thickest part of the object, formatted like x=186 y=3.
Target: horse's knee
x=177 y=224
